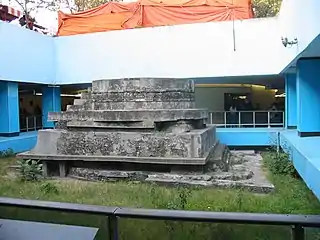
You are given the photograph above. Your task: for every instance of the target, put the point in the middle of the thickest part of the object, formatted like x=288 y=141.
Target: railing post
x=113 y=227
x=27 y=124
x=35 y=122
x=297 y=232
x=210 y=118
x=283 y=119
x=239 y=119
x=278 y=141
x=268 y=119
x=254 y=119
x=225 y=119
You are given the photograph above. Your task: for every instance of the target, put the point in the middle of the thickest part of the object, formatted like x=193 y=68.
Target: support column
x=9 y=109
x=308 y=97
x=291 y=100
x=51 y=102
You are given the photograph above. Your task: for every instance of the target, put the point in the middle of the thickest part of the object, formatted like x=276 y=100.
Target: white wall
x=183 y=51
x=300 y=19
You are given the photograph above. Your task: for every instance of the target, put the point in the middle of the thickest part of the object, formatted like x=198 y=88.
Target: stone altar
x=145 y=123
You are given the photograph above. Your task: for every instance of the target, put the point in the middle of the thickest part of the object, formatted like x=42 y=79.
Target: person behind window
x=273 y=113
x=233 y=114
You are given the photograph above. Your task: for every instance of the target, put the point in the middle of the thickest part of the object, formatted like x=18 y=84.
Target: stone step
x=112 y=125
x=113 y=159
x=143 y=85
x=78 y=102
x=177 y=127
x=142 y=96
x=159 y=115
x=89 y=105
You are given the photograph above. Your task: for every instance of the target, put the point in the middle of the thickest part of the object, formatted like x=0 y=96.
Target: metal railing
x=298 y=223
x=253 y=119
x=30 y=123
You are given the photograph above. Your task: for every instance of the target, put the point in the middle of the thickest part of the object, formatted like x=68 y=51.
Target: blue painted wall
x=26 y=56
x=23 y=142
x=308 y=95
x=9 y=109
x=51 y=102
x=291 y=100
x=248 y=137
x=305 y=157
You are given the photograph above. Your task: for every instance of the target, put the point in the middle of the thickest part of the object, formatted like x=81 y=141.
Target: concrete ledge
x=89 y=105
x=305 y=157
x=126 y=159
x=158 y=115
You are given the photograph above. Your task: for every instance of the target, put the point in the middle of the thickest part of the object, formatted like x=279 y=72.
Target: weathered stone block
x=137 y=144
x=194 y=144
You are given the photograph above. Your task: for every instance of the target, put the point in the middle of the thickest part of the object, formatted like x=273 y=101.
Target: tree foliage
x=31 y=6
x=80 y=5
x=266 y=8
x=262 y=8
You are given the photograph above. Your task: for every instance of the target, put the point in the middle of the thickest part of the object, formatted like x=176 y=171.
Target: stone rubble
x=245 y=172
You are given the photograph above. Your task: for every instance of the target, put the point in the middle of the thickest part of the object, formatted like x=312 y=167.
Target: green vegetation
x=290 y=197
x=29 y=170
x=6 y=153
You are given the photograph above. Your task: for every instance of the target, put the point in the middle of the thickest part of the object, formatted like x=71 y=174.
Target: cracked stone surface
x=245 y=172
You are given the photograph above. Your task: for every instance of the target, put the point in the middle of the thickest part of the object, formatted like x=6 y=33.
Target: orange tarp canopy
x=151 y=13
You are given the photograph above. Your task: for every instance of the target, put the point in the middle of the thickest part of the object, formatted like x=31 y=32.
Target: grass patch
x=290 y=197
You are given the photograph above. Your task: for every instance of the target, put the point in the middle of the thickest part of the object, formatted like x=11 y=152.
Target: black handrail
x=298 y=222
x=57 y=206
x=221 y=217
